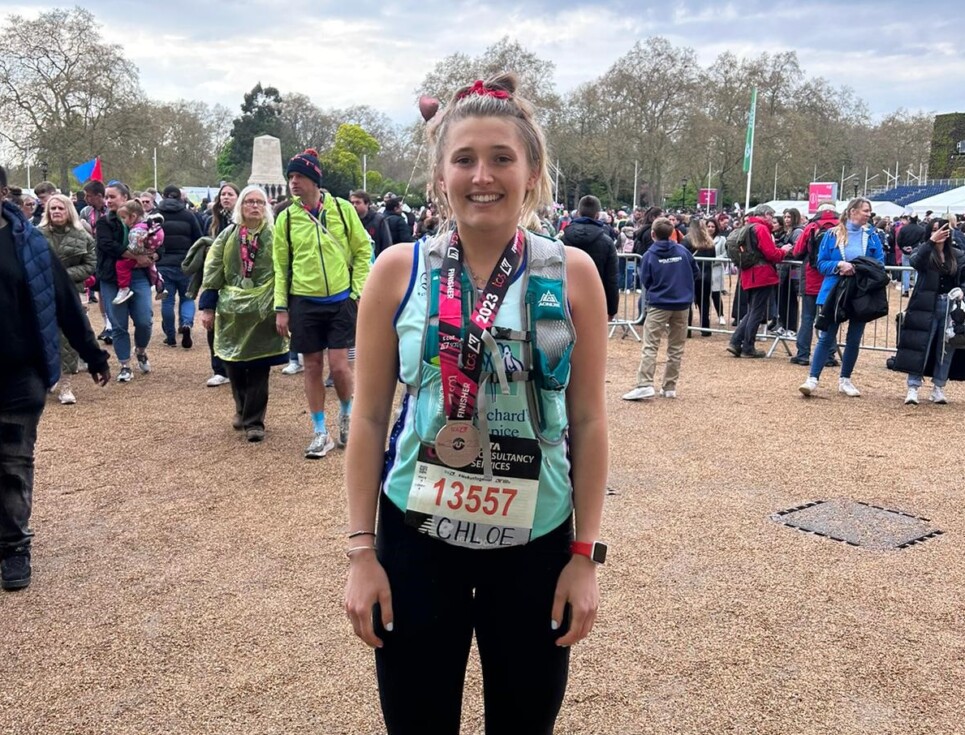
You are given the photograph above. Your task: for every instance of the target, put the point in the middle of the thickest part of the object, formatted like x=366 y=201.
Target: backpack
x=742 y=247
x=814 y=244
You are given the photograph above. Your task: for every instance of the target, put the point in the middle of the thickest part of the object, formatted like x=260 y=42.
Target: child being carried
x=144 y=237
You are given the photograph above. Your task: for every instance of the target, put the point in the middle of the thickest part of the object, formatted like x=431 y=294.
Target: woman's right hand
x=939 y=236
x=367 y=584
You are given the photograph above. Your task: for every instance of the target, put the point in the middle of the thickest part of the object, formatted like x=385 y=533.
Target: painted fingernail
x=388 y=627
x=554 y=625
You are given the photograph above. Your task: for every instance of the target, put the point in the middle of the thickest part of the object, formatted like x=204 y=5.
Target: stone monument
x=266 y=165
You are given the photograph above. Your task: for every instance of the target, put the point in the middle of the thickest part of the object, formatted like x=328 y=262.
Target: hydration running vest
x=522 y=388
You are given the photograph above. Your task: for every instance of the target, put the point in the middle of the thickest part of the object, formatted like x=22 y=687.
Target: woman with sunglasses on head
x=497 y=335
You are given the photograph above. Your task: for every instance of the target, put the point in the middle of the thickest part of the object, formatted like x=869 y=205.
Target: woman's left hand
x=577 y=586
x=207 y=319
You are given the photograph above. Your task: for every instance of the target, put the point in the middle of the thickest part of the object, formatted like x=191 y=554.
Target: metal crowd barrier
x=725 y=306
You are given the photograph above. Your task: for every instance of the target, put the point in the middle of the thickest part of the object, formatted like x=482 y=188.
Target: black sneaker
x=15 y=569
x=798 y=360
x=757 y=354
x=125 y=375
x=186 y=341
x=142 y=362
x=832 y=362
x=105 y=337
x=170 y=342
x=734 y=350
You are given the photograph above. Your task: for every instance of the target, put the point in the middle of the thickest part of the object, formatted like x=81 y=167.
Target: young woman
x=111 y=237
x=240 y=269
x=852 y=238
x=717 y=272
x=216 y=222
x=701 y=244
x=921 y=346
x=477 y=499
x=75 y=249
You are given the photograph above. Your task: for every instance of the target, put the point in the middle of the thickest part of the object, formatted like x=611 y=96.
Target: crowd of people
x=482 y=502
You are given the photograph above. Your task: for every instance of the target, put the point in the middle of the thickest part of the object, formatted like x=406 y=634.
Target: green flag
x=749 y=141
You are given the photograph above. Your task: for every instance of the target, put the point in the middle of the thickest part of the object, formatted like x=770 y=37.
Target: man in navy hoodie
x=668 y=272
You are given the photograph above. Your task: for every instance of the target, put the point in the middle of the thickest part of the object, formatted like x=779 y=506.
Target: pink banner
x=707 y=198
x=821 y=193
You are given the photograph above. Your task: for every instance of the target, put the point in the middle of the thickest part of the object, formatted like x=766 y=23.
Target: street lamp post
x=683 y=194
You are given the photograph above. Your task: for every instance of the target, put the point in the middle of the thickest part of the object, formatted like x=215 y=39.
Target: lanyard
x=461 y=362
x=249 y=249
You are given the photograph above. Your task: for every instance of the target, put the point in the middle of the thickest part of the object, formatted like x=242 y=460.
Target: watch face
x=599 y=553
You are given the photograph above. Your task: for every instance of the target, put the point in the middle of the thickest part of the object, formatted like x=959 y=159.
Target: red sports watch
x=594 y=550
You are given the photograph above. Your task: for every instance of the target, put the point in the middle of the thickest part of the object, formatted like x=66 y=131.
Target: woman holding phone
x=922 y=349
x=490 y=495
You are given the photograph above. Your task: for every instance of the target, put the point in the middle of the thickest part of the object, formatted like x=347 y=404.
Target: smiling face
x=485 y=174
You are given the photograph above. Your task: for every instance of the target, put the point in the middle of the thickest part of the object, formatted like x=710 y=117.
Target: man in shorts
x=321 y=257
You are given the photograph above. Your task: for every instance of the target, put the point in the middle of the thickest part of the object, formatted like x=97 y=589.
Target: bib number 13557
x=456 y=495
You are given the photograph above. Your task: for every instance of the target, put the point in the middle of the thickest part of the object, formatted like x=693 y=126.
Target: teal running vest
x=522 y=490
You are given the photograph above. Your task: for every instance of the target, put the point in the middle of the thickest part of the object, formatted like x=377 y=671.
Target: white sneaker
x=911 y=398
x=721 y=321
x=847 y=387
x=809 y=386
x=123 y=295
x=937 y=396
x=292 y=368
x=66 y=396
x=668 y=393
x=321 y=445
x=215 y=380
x=640 y=394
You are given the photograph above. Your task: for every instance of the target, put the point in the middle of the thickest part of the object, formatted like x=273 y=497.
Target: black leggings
x=440 y=595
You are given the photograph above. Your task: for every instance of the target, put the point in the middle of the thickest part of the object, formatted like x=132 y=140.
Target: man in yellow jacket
x=321 y=256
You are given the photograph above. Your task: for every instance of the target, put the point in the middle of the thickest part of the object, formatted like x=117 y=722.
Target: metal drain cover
x=858 y=524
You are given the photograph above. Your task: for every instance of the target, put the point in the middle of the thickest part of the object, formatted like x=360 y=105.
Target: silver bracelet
x=351 y=551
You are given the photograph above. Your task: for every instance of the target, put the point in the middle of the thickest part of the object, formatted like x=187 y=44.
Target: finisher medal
x=457 y=443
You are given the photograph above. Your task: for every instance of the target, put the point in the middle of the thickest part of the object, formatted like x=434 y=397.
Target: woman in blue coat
x=852 y=238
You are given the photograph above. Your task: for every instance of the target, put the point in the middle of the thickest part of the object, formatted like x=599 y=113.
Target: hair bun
x=311 y=152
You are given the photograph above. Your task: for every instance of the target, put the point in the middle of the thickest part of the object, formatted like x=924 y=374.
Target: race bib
x=461 y=508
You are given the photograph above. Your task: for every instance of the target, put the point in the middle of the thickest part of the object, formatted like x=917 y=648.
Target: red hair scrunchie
x=478 y=88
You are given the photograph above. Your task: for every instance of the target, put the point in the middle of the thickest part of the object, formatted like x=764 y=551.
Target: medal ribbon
x=460 y=361
x=249 y=249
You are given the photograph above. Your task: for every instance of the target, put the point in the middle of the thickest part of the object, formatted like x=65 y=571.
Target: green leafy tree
x=342 y=163
x=260 y=115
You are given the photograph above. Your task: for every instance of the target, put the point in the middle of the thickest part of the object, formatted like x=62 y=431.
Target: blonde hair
x=699 y=238
x=131 y=206
x=467 y=103
x=841 y=229
x=72 y=216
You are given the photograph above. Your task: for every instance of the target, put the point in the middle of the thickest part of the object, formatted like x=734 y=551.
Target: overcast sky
x=895 y=54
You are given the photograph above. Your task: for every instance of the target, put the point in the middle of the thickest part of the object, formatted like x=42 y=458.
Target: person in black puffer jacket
x=590 y=235
x=181 y=231
x=398 y=225
x=921 y=346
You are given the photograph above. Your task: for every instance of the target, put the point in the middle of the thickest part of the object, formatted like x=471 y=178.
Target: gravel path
x=187 y=582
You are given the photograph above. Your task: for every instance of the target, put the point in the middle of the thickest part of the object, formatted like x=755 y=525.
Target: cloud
x=377 y=54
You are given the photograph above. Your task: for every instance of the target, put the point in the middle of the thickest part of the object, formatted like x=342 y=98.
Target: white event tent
x=948 y=201
x=883 y=209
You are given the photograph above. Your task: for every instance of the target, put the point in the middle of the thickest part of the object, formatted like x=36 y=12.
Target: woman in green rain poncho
x=239 y=271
